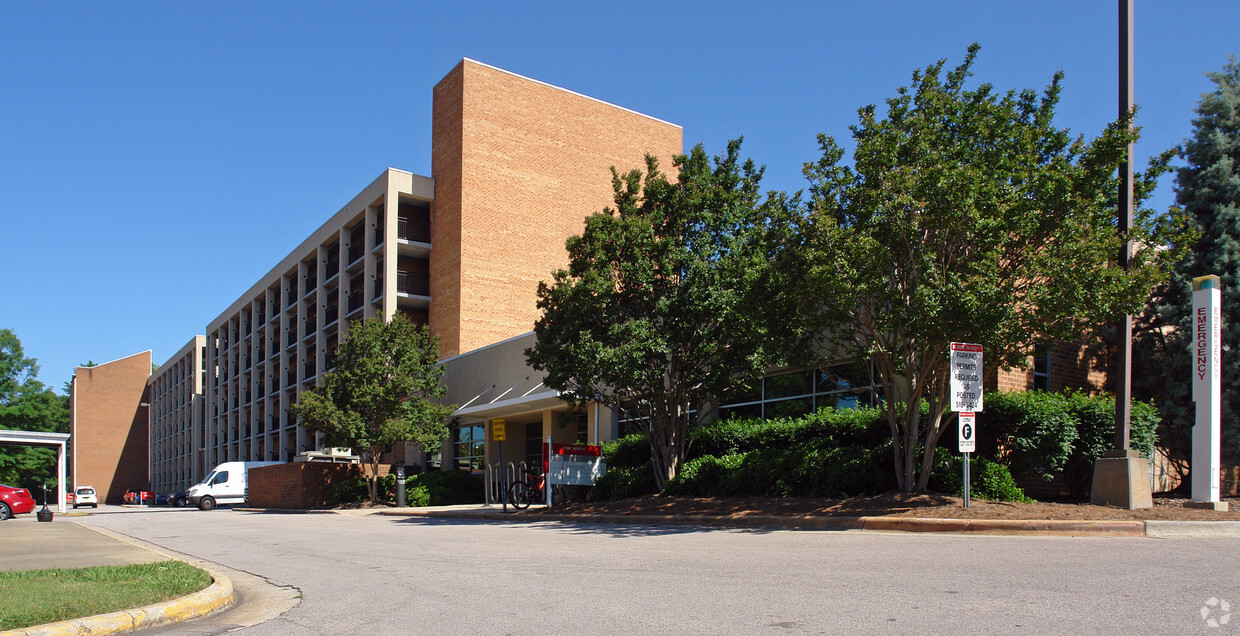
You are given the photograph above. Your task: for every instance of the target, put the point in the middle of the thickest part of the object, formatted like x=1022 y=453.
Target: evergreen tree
x=1208 y=190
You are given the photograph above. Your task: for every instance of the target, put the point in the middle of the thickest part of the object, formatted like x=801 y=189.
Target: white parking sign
x=968 y=432
x=966 y=377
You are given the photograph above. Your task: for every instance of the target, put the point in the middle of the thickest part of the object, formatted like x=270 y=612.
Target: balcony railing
x=412 y=230
x=355 y=301
x=331 y=314
x=411 y=283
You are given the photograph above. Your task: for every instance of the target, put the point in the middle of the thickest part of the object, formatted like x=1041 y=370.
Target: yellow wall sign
x=497 y=430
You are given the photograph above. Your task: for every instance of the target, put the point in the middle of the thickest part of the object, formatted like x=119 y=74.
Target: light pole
x=1121 y=475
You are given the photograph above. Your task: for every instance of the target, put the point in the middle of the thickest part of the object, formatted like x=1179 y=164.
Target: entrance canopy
x=45 y=440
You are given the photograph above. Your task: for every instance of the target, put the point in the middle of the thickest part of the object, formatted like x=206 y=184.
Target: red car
x=137 y=497
x=14 y=501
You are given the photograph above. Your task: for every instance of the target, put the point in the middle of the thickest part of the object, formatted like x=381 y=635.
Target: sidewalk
x=30 y=545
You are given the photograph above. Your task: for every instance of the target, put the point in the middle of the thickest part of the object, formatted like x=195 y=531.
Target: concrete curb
x=216 y=596
x=1170 y=529
x=885 y=524
x=1007 y=526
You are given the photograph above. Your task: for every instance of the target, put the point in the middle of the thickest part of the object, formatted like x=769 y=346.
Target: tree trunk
x=927 y=456
x=665 y=465
x=372 y=481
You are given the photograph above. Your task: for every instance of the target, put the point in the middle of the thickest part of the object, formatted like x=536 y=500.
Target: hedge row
x=432 y=488
x=848 y=453
x=1045 y=435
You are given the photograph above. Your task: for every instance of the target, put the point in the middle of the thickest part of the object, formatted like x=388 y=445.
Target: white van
x=227 y=484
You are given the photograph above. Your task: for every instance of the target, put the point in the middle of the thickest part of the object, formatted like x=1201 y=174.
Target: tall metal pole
x=1123 y=353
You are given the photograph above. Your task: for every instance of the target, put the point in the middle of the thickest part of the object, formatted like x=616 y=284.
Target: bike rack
x=492 y=482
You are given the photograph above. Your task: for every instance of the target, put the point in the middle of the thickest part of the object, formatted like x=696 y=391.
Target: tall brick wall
x=111 y=435
x=518 y=165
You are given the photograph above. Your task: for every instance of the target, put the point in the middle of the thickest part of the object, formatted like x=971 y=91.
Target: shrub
x=846 y=427
x=351 y=490
x=988 y=479
x=624 y=482
x=707 y=476
x=417 y=496
x=848 y=471
x=1031 y=432
x=815 y=468
x=1095 y=418
x=628 y=451
x=445 y=488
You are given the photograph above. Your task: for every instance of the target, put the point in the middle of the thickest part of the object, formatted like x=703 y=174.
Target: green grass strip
x=35 y=597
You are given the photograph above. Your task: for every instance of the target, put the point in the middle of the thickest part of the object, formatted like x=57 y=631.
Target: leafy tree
x=15 y=368
x=380 y=392
x=27 y=405
x=1208 y=189
x=967 y=216
x=660 y=310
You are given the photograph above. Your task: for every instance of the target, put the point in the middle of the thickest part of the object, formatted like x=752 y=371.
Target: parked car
x=177 y=499
x=159 y=500
x=84 y=496
x=131 y=496
x=14 y=501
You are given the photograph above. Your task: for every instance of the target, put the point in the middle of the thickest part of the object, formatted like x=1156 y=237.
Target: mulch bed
x=897 y=504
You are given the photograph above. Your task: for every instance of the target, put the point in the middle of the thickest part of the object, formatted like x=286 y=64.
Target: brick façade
x=518 y=165
x=110 y=434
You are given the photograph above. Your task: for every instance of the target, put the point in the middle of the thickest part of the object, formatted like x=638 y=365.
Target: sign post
x=1207 y=321
x=966 y=395
x=967 y=444
x=499 y=434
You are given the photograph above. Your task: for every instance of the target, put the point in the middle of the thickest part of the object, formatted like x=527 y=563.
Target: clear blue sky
x=157 y=158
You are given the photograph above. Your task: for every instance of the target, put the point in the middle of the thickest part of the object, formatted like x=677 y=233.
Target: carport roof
x=32 y=438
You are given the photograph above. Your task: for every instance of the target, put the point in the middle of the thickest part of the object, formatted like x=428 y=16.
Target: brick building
x=516 y=166
x=109 y=426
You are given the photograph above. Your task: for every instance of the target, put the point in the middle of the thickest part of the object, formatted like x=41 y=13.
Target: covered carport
x=59 y=441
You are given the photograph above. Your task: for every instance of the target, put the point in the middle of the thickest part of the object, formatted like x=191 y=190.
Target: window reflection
x=797 y=393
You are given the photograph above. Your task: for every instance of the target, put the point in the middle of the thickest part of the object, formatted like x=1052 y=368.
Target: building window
x=469 y=447
x=534 y=444
x=800 y=393
x=1041 y=368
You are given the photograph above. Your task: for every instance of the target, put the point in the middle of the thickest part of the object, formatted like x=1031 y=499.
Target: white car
x=85 y=496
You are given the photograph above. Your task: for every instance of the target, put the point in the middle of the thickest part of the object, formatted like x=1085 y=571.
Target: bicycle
x=525 y=492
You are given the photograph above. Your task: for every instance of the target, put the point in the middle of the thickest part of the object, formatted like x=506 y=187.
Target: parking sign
x=968 y=432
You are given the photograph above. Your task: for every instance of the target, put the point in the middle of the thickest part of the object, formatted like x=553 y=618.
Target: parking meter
x=400 y=484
